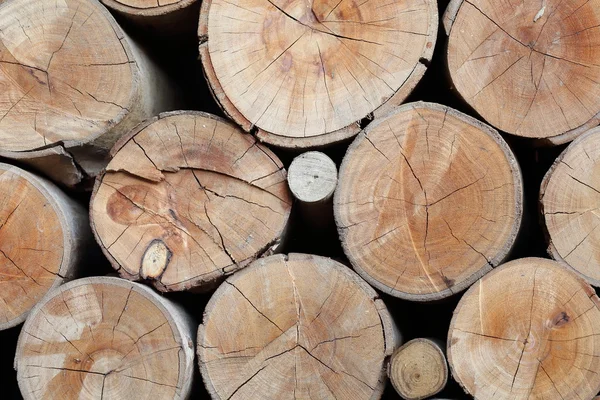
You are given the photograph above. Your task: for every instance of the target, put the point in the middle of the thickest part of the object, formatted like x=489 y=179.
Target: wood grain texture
x=188 y=198
x=43 y=235
x=527 y=330
x=312 y=177
x=109 y=338
x=428 y=201
x=295 y=326
x=569 y=197
x=304 y=73
x=529 y=68
x=70 y=77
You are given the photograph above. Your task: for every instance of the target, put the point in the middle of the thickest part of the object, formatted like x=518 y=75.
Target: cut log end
x=105 y=338
x=187 y=199
x=36 y=241
x=304 y=75
x=312 y=177
x=569 y=204
x=148 y=8
x=528 y=329
x=523 y=68
x=418 y=369
x=270 y=329
x=428 y=201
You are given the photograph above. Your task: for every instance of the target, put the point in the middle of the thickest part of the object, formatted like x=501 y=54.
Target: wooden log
x=43 y=240
x=172 y=17
x=107 y=338
x=569 y=206
x=295 y=327
x=428 y=201
x=312 y=178
x=528 y=69
x=187 y=199
x=305 y=74
x=527 y=330
x=73 y=83
x=418 y=369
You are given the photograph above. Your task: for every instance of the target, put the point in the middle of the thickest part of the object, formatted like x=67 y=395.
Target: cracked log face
x=418 y=369
x=530 y=68
x=107 y=338
x=36 y=242
x=569 y=198
x=66 y=73
x=187 y=199
x=527 y=330
x=305 y=72
x=294 y=327
x=428 y=201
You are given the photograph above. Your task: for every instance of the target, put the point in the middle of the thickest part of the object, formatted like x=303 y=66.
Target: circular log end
x=187 y=199
x=269 y=330
x=428 y=201
x=527 y=329
x=312 y=177
x=147 y=8
x=304 y=75
x=104 y=338
x=569 y=203
x=34 y=243
x=66 y=70
x=418 y=369
x=531 y=68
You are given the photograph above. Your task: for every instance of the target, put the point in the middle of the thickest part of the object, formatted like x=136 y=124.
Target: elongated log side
x=72 y=84
x=295 y=326
x=303 y=74
x=527 y=330
x=569 y=198
x=528 y=68
x=171 y=17
x=43 y=237
x=108 y=338
x=312 y=178
x=428 y=201
x=418 y=369
x=188 y=198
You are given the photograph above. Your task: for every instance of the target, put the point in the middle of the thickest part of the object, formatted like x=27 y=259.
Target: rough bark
x=428 y=201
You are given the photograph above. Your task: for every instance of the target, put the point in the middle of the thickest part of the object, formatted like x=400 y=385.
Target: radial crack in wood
x=428 y=201
x=529 y=68
x=303 y=73
x=541 y=344
x=105 y=338
x=295 y=327
x=187 y=199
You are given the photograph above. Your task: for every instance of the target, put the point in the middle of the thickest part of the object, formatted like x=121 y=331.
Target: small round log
x=186 y=199
x=43 y=236
x=295 y=327
x=108 y=338
x=418 y=369
x=428 y=201
x=528 y=329
x=569 y=198
x=303 y=74
x=71 y=79
x=531 y=68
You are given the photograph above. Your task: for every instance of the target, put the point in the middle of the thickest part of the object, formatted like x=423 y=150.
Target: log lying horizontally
x=418 y=369
x=188 y=198
x=428 y=201
x=299 y=326
x=43 y=236
x=531 y=69
x=569 y=204
x=528 y=329
x=105 y=338
x=72 y=84
x=304 y=73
